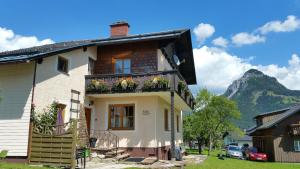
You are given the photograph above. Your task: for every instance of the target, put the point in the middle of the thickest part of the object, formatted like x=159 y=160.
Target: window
x=123 y=66
x=166 y=120
x=121 y=117
x=63 y=65
x=91 y=66
x=297 y=145
x=177 y=123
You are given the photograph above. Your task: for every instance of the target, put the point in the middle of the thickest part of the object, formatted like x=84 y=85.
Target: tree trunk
x=199 y=146
x=210 y=144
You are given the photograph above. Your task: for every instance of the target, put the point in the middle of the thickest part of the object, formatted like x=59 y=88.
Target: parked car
x=254 y=155
x=234 y=151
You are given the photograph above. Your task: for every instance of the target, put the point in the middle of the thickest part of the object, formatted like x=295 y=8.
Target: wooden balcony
x=294 y=129
x=160 y=81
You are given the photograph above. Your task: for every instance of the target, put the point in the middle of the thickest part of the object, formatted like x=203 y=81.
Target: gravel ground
x=97 y=163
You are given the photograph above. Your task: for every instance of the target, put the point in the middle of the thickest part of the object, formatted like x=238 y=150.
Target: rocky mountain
x=256 y=93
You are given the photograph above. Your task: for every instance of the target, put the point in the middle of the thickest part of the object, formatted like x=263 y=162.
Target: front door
x=88 y=119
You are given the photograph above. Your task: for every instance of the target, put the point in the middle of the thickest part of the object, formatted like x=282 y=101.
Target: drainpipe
x=31 y=110
x=33 y=87
x=172 y=119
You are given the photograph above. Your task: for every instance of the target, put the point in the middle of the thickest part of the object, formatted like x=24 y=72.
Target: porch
x=141 y=121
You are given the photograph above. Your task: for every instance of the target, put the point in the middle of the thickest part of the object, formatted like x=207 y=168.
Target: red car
x=253 y=155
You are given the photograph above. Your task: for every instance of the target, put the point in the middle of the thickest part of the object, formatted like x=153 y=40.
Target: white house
x=140 y=116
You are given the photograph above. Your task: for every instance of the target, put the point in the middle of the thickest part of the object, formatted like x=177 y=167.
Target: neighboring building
x=139 y=115
x=239 y=140
x=277 y=134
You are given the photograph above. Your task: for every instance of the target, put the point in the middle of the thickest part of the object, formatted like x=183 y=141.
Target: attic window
x=63 y=65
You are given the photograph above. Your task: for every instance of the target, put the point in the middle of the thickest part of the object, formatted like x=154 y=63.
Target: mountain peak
x=242 y=82
x=256 y=93
x=253 y=72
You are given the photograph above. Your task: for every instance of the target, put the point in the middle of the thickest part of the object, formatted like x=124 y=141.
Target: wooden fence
x=54 y=150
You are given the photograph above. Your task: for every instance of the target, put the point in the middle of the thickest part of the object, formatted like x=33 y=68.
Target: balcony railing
x=144 y=82
x=294 y=129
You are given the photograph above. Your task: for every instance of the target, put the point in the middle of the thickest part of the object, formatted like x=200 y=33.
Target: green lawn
x=214 y=163
x=18 y=166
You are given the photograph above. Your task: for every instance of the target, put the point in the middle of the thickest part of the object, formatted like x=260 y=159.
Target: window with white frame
x=297 y=145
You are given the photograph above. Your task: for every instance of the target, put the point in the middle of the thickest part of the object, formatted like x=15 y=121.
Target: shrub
x=44 y=122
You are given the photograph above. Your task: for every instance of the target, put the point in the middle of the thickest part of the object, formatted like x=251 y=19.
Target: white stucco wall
x=52 y=85
x=164 y=137
x=144 y=133
x=149 y=121
x=15 y=104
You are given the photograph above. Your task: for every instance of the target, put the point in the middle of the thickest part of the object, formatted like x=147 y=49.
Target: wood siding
x=15 y=104
x=278 y=143
x=284 y=143
x=143 y=57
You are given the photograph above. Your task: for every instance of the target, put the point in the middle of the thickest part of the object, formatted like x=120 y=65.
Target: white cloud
x=291 y=23
x=203 y=31
x=245 y=38
x=216 y=69
x=220 y=41
x=11 y=41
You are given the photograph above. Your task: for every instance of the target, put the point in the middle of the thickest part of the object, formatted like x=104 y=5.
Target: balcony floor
x=179 y=103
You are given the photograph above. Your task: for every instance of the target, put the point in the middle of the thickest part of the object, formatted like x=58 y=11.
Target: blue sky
x=74 y=20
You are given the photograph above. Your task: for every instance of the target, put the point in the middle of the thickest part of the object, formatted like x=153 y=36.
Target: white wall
x=15 y=92
x=52 y=85
x=143 y=134
x=149 y=121
x=164 y=137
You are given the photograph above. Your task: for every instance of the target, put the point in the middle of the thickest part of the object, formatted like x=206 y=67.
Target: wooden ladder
x=75 y=103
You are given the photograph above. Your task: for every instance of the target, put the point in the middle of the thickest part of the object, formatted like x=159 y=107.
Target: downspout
x=33 y=87
x=31 y=111
x=172 y=119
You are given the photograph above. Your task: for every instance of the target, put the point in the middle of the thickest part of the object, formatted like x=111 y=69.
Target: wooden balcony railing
x=294 y=129
x=143 y=82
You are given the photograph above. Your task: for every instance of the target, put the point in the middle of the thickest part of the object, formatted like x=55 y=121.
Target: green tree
x=212 y=117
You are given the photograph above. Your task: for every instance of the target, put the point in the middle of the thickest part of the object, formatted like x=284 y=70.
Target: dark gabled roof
x=290 y=111
x=272 y=112
x=21 y=55
x=187 y=69
x=27 y=54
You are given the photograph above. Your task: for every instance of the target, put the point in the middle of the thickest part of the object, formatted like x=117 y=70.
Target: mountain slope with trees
x=256 y=93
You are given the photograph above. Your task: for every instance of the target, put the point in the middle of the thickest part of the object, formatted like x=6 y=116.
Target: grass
x=4 y=165
x=214 y=163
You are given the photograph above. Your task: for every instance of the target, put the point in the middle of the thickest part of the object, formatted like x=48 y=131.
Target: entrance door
x=88 y=119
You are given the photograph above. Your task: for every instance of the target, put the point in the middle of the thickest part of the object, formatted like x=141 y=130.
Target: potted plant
x=124 y=85
x=156 y=83
x=93 y=142
x=186 y=93
x=98 y=86
x=181 y=87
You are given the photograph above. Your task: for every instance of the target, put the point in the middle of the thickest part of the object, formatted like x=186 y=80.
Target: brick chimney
x=120 y=28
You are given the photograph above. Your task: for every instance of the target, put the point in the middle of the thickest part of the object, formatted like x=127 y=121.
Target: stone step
x=115 y=152
x=149 y=160
x=122 y=156
x=103 y=149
